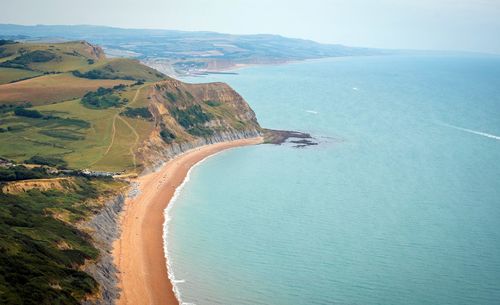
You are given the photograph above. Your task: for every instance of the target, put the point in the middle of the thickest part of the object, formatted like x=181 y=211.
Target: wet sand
x=138 y=253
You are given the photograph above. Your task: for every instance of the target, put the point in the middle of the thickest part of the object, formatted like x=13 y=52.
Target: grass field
x=8 y=75
x=125 y=68
x=68 y=56
x=86 y=138
x=52 y=88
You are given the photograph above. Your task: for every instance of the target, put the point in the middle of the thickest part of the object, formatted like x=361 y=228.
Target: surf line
x=480 y=133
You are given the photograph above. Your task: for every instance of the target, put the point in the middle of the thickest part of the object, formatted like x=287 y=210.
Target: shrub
x=19 y=111
x=171 y=96
x=21 y=172
x=25 y=59
x=142 y=112
x=47 y=160
x=101 y=99
x=200 y=131
x=213 y=103
x=167 y=135
x=191 y=116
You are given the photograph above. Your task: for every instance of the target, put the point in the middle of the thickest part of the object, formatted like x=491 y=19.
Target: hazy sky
x=419 y=24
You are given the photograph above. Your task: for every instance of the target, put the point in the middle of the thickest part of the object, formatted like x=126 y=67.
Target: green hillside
x=65 y=109
x=96 y=112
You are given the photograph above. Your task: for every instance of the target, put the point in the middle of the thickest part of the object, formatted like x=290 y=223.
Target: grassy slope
x=70 y=55
x=8 y=75
x=41 y=250
x=110 y=140
x=52 y=88
x=108 y=143
x=126 y=68
x=94 y=151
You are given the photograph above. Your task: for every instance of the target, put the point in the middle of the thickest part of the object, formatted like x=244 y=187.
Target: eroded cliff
x=191 y=115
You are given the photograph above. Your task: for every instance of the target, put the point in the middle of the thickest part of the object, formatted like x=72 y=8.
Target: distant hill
x=181 y=52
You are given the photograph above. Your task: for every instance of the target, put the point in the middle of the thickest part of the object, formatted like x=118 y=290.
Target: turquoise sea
x=399 y=204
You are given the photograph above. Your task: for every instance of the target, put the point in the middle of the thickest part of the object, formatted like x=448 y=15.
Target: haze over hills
x=181 y=52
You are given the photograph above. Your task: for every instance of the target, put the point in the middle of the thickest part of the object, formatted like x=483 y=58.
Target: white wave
x=355 y=88
x=479 y=133
x=167 y=217
x=312 y=111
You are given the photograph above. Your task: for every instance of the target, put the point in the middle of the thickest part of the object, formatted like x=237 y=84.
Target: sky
x=466 y=25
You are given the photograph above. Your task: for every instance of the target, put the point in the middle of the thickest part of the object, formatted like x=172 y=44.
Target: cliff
x=116 y=115
x=191 y=115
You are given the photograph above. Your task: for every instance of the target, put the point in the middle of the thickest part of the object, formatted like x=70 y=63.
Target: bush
x=47 y=160
x=171 y=96
x=200 y=131
x=67 y=135
x=105 y=73
x=167 y=135
x=19 y=111
x=24 y=60
x=101 y=99
x=191 y=116
x=142 y=112
x=21 y=172
x=213 y=103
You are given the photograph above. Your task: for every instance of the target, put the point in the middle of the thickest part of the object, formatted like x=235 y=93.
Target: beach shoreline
x=139 y=251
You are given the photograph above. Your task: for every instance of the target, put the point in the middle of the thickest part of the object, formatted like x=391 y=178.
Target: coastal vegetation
x=102 y=98
x=41 y=249
x=47 y=160
x=23 y=61
x=21 y=172
x=141 y=112
x=167 y=135
x=75 y=121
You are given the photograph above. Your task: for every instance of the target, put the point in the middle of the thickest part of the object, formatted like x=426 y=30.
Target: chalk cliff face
x=191 y=115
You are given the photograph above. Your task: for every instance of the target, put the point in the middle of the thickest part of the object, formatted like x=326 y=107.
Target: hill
x=77 y=121
x=180 y=52
x=42 y=73
x=108 y=114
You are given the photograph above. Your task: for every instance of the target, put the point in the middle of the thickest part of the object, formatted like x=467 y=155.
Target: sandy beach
x=139 y=253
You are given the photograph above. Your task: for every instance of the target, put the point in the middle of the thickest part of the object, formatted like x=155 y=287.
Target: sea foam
x=168 y=217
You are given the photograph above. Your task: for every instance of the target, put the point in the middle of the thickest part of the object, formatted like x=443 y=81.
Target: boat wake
x=479 y=133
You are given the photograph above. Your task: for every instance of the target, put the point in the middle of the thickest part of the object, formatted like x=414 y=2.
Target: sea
x=399 y=203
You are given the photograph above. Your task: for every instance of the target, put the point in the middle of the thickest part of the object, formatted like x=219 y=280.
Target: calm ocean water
x=399 y=204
